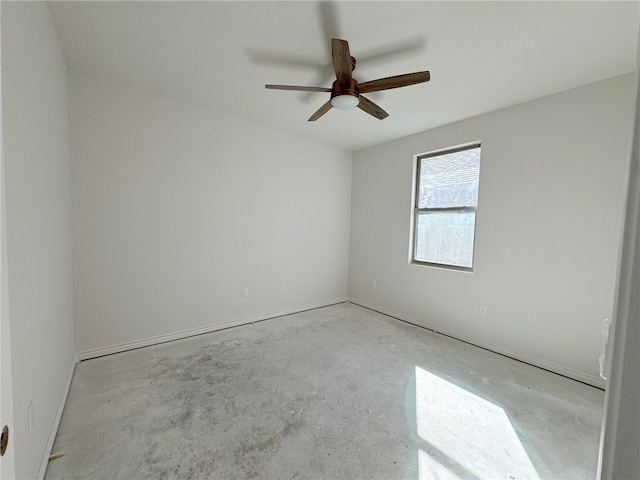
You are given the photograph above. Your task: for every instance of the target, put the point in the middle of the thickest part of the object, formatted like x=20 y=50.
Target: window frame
x=417 y=210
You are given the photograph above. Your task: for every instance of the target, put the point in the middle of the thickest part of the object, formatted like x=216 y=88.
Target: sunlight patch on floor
x=474 y=435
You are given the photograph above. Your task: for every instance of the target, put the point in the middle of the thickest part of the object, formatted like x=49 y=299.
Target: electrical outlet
x=30 y=415
x=245 y=292
x=483 y=310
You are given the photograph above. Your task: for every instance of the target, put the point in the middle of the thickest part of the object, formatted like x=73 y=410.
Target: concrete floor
x=339 y=393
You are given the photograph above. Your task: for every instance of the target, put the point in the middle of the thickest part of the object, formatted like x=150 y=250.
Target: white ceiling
x=482 y=55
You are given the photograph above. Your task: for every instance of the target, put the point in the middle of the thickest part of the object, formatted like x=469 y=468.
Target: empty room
x=319 y=240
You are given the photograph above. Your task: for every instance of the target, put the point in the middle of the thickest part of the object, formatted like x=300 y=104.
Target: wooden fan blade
x=298 y=88
x=371 y=108
x=321 y=111
x=341 y=61
x=390 y=50
x=328 y=19
x=324 y=75
x=394 y=82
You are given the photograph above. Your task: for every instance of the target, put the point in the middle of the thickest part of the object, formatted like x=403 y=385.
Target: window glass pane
x=450 y=180
x=445 y=237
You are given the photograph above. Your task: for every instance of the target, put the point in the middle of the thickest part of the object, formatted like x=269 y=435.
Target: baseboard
x=99 y=352
x=507 y=352
x=56 y=422
x=158 y=339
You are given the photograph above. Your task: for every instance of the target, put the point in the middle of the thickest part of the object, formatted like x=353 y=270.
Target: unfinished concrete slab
x=339 y=392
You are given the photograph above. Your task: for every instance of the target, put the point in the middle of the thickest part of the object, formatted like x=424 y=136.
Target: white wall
x=36 y=154
x=7 y=464
x=620 y=440
x=177 y=208
x=551 y=201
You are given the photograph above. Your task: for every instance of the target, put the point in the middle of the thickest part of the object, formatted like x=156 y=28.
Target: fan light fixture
x=345 y=102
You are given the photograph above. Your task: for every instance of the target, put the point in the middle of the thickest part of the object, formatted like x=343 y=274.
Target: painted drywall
x=38 y=232
x=620 y=440
x=178 y=208
x=551 y=200
x=7 y=465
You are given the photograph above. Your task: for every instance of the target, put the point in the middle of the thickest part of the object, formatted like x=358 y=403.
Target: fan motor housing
x=352 y=89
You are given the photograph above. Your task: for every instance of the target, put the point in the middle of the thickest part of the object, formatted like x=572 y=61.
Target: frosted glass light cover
x=345 y=102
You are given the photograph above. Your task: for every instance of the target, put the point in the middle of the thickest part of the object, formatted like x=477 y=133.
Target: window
x=446 y=198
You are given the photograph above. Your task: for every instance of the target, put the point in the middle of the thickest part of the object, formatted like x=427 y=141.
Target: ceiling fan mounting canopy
x=346 y=92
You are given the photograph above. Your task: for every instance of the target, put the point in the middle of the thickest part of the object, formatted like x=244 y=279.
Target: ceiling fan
x=346 y=91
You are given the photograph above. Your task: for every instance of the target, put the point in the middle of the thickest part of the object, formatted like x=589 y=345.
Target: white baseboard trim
x=99 y=352
x=537 y=362
x=158 y=339
x=56 y=422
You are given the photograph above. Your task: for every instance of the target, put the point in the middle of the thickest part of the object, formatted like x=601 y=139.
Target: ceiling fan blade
x=341 y=61
x=328 y=19
x=323 y=76
x=298 y=88
x=280 y=60
x=371 y=108
x=321 y=111
x=394 y=82
x=391 y=51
